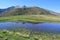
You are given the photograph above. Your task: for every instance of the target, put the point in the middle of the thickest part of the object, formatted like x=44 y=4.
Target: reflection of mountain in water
x=44 y=27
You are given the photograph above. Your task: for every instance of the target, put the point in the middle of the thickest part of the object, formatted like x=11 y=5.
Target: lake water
x=46 y=27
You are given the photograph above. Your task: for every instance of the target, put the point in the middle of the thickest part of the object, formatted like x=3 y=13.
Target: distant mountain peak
x=17 y=6
x=24 y=10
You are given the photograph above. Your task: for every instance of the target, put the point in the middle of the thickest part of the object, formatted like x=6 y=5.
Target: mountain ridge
x=16 y=10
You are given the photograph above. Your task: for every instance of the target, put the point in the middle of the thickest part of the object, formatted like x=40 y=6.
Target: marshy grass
x=31 y=18
x=15 y=35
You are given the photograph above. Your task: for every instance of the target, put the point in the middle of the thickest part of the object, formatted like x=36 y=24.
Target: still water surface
x=46 y=27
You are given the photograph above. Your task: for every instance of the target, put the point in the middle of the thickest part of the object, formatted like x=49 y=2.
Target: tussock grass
x=32 y=18
x=13 y=35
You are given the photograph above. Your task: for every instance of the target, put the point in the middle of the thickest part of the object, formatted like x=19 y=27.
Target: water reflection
x=46 y=27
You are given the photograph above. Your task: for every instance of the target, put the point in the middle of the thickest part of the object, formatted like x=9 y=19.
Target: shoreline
x=31 y=19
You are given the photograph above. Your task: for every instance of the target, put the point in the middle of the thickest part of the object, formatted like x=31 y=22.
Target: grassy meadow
x=27 y=35
x=32 y=18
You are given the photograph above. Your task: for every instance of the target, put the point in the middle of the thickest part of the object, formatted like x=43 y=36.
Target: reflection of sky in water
x=53 y=27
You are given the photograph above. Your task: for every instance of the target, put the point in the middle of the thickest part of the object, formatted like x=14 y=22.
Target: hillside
x=26 y=11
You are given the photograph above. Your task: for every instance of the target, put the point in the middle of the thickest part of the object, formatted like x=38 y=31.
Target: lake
x=46 y=27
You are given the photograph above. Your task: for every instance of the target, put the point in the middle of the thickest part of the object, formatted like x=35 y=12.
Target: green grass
x=31 y=18
x=10 y=35
x=13 y=35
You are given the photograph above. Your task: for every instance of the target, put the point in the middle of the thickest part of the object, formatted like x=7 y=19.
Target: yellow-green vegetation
x=10 y=35
x=13 y=35
x=32 y=18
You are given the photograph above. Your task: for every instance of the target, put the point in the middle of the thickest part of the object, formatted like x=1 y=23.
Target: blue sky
x=47 y=4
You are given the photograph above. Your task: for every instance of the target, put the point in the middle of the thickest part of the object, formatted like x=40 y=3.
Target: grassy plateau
x=31 y=18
